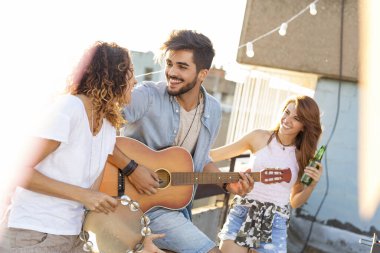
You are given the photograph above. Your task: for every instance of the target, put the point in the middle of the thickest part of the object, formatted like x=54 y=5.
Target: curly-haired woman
x=258 y=221
x=68 y=154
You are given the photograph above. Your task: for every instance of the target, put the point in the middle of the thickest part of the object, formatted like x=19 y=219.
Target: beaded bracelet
x=130 y=168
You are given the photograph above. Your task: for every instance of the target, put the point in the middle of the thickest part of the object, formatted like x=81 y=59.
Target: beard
x=184 y=89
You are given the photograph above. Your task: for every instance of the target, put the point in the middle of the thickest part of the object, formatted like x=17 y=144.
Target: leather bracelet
x=224 y=187
x=130 y=168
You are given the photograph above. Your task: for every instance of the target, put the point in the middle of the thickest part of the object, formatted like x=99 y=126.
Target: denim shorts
x=181 y=235
x=237 y=216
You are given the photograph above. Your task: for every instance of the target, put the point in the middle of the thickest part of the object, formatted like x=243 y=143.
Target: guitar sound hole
x=164 y=178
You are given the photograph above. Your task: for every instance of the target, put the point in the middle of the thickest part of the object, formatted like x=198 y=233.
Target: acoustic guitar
x=174 y=167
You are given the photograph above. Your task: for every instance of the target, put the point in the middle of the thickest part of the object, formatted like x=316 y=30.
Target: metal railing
x=374 y=243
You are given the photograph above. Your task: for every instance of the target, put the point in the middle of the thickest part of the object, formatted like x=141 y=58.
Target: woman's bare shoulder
x=258 y=139
x=259 y=133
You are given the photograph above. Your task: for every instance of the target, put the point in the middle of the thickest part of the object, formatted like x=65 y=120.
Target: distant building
x=146 y=68
x=223 y=90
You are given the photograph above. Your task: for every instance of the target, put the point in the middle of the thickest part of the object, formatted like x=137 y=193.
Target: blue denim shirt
x=153 y=118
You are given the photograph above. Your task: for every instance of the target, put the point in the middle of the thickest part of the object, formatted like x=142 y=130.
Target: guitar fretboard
x=186 y=178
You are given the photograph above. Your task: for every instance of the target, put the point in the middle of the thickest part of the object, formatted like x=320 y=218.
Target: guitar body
x=162 y=162
x=175 y=170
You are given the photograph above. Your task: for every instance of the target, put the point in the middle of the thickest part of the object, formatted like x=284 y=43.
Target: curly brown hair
x=102 y=75
x=306 y=140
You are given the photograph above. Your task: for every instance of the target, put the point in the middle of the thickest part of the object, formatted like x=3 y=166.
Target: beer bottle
x=305 y=179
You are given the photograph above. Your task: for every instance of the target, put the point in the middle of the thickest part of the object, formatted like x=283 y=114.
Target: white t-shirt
x=78 y=160
x=189 y=127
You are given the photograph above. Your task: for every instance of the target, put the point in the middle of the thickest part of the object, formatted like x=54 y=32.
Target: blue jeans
x=237 y=216
x=181 y=235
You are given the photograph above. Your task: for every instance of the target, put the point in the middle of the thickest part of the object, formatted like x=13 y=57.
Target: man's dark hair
x=203 y=51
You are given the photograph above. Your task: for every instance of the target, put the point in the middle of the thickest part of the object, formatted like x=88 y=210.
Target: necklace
x=191 y=124
x=282 y=144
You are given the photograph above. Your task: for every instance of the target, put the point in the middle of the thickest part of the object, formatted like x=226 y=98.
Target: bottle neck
x=319 y=155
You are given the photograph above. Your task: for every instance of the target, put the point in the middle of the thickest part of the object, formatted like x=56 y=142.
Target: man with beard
x=178 y=112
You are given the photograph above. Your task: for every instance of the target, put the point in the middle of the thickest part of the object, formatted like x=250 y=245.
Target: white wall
x=342 y=156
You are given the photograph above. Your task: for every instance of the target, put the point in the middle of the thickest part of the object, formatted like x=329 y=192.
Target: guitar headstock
x=274 y=175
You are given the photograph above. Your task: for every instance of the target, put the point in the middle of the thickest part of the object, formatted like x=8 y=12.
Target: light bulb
x=283 y=28
x=250 y=53
x=313 y=9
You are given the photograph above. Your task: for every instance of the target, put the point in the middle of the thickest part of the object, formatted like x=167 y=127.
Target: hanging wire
x=278 y=28
x=249 y=44
x=150 y=73
x=334 y=126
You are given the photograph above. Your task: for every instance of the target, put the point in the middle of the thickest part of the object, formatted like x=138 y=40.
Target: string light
x=313 y=9
x=250 y=53
x=281 y=29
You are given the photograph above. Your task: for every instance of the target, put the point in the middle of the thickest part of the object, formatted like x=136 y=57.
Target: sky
x=52 y=32
x=42 y=40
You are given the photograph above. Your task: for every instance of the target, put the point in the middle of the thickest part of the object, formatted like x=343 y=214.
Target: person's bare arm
x=143 y=179
x=300 y=193
x=231 y=150
x=252 y=141
x=37 y=182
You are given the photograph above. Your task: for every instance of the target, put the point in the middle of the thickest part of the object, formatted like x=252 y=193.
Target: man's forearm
x=118 y=158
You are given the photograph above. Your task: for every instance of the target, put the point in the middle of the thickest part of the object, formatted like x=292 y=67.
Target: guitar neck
x=187 y=178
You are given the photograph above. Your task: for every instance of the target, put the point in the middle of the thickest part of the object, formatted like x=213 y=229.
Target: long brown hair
x=306 y=140
x=102 y=75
